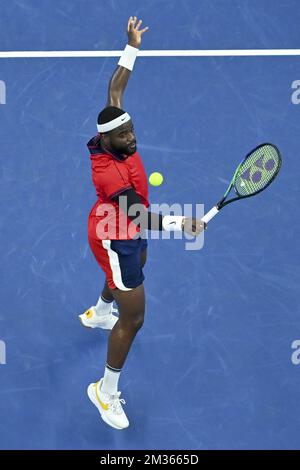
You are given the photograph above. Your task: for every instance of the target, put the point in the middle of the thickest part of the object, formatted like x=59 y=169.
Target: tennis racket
x=254 y=174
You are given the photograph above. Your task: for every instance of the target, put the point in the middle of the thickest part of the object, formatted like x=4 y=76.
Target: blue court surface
x=213 y=366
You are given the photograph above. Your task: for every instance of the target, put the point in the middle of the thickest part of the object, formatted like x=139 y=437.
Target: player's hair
x=109 y=113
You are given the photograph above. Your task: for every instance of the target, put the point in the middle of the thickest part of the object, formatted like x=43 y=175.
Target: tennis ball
x=156 y=179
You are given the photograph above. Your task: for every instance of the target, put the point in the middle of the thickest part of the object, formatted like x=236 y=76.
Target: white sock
x=110 y=380
x=103 y=306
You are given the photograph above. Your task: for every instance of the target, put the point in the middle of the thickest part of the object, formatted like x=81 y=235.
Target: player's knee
x=132 y=323
x=137 y=322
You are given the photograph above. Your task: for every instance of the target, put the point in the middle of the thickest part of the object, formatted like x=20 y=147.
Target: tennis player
x=116 y=236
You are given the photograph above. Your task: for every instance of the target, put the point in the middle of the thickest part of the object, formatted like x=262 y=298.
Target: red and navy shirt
x=112 y=174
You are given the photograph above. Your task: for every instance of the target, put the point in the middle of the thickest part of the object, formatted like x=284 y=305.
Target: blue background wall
x=211 y=368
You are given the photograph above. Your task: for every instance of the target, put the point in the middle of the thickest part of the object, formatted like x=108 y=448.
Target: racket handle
x=210 y=214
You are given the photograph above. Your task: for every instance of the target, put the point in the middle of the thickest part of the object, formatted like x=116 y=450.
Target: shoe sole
x=93 y=327
x=80 y=319
x=93 y=398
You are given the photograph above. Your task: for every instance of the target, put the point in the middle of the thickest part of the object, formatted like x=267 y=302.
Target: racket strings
x=257 y=171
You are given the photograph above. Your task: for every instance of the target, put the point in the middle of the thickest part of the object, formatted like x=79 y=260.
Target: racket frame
x=222 y=203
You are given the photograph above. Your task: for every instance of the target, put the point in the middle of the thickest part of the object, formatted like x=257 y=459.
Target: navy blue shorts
x=121 y=261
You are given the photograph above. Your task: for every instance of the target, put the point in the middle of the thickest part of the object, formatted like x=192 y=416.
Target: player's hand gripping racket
x=254 y=174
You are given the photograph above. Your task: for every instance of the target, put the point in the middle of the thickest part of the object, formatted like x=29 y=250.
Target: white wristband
x=172 y=223
x=128 y=57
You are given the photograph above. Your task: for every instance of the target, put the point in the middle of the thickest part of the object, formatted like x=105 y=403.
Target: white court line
x=153 y=53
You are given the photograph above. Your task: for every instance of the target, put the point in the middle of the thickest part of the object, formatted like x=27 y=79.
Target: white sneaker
x=109 y=406
x=91 y=319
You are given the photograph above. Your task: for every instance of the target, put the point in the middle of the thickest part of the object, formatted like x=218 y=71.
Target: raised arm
x=121 y=75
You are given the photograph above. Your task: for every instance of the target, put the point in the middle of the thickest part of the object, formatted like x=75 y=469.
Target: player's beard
x=125 y=150
x=129 y=150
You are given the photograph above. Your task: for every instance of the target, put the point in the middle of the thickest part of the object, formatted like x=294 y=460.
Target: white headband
x=109 y=126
